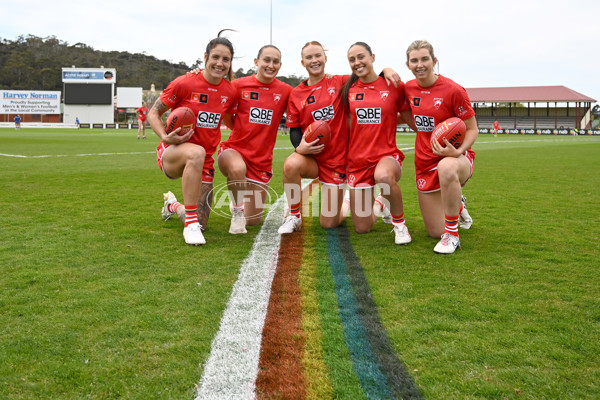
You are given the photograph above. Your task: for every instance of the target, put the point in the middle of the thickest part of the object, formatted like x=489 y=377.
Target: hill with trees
x=35 y=63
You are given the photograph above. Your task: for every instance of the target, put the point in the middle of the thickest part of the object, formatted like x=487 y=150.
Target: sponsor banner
x=89 y=75
x=29 y=102
x=530 y=131
x=123 y=126
x=110 y=126
x=98 y=125
x=84 y=125
x=543 y=131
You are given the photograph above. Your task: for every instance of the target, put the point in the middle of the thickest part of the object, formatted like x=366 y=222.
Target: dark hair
x=353 y=78
x=225 y=42
x=267 y=46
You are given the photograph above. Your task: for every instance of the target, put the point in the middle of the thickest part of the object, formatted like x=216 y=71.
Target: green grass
x=99 y=298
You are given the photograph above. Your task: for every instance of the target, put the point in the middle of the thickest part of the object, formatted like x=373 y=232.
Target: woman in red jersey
x=142 y=114
x=188 y=155
x=440 y=171
x=318 y=98
x=373 y=158
x=246 y=158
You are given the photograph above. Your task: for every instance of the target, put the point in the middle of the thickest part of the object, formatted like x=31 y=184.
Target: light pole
x=271 y=25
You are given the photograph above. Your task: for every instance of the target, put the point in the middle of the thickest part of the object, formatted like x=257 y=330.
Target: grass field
x=101 y=299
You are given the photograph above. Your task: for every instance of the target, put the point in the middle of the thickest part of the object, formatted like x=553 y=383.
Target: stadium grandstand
x=545 y=107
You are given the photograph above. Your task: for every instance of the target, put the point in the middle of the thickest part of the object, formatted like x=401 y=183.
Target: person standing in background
x=142 y=114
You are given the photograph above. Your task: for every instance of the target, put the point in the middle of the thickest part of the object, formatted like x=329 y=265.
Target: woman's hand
x=448 y=151
x=175 y=138
x=307 y=148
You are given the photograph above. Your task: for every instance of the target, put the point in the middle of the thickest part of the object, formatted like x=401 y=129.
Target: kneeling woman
x=246 y=158
x=189 y=157
x=441 y=171
x=373 y=157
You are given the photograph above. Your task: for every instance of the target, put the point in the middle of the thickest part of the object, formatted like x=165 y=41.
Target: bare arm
x=157 y=110
x=228 y=120
x=391 y=76
x=406 y=117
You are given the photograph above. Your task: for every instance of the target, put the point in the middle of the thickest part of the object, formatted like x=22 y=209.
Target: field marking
x=76 y=155
x=232 y=366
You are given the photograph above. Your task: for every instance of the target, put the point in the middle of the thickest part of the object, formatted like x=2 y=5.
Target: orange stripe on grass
x=316 y=373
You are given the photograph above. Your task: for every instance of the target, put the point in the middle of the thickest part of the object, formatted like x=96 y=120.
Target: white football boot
x=464 y=219
x=401 y=235
x=169 y=198
x=238 y=223
x=193 y=234
x=290 y=224
x=447 y=245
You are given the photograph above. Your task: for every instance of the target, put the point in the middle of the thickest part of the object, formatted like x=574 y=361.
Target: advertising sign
x=29 y=102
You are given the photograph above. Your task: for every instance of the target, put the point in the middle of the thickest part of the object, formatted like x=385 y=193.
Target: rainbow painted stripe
x=322 y=335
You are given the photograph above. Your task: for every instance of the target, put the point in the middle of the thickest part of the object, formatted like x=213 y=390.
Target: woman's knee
x=448 y=170
x=293 y=165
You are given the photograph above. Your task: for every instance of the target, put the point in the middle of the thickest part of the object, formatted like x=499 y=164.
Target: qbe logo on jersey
x=260 y=116
x=208 y=120
x=368 y=115
x=324 y=114
x=424 y=123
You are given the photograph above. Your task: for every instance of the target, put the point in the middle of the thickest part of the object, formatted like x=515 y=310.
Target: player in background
x=318 y=98
x=440 y=171
x=246 y=158
x=142 y=113
x=17 y=122
x=189 y=156
x=373 y=157
x=77 y=122
x=495 y=127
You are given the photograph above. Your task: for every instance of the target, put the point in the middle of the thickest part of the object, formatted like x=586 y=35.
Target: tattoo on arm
x=160 y=107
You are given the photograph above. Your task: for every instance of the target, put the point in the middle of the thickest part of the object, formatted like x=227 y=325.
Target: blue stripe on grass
x=399 y=380
x=366 y=367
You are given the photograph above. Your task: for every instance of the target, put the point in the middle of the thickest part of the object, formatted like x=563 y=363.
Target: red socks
x=451 y=224
x=190 y=214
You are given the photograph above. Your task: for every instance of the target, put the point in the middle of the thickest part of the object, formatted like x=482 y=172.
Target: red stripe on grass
x=280 y=373
x=280 y=370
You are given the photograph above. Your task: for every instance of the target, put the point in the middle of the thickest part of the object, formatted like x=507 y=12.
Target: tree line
x=35 y=63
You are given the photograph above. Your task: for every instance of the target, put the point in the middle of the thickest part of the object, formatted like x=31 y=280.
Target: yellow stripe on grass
x=318 y=384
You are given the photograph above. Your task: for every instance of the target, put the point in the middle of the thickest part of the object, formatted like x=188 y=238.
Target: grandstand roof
x=526 y=93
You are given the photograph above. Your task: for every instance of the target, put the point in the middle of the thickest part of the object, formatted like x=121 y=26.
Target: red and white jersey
x=260 y=107
x=142 y=113
x=209 y=102
x=430 y=106
x=322 y=102
x=374 y=109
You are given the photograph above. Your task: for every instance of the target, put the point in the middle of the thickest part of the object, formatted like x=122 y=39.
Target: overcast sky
x=478 y=43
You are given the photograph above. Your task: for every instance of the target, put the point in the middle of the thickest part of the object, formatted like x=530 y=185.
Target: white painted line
x=77 y=155
x=231 y=369
x=232 y=366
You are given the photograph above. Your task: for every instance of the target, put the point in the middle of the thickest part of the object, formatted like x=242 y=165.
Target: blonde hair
x=314 y=43
x=418 y=45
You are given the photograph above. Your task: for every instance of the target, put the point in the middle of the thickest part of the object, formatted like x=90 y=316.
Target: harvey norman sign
x=29 y=102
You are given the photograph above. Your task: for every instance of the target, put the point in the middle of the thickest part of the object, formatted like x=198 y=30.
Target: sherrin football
x=181 y=117
x=453 y=129
x=318 y=130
